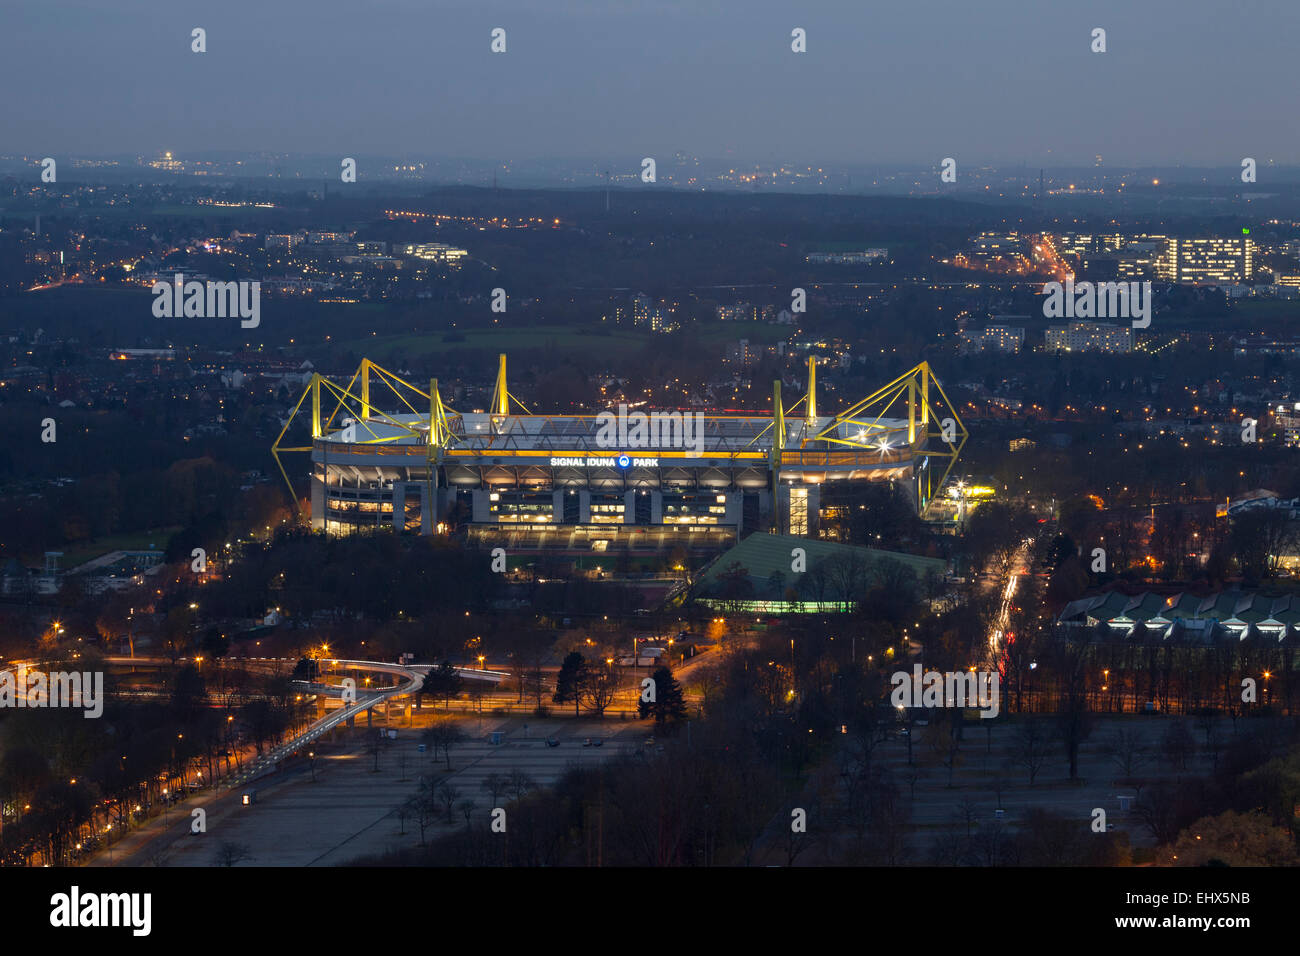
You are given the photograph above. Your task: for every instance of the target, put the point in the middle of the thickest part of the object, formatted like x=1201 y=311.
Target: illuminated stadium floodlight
x=934 y=430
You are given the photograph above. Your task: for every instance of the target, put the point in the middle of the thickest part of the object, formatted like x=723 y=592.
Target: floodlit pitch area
x=412 y=461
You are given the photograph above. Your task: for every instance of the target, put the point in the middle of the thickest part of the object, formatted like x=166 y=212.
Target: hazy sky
x=1196 y=81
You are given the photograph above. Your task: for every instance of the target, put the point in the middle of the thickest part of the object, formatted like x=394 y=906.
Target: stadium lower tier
x=348 y=496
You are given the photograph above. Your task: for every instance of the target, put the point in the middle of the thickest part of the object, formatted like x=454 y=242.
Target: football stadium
x=385 y=452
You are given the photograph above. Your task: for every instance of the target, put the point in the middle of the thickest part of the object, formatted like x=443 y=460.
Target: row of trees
x=63 y=779
x=594 y=683
x=379 y=576
x=1046 y=666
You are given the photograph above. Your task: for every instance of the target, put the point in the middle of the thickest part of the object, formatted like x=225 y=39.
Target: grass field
x=137 y=541
x=505 y=340
x=617 y=343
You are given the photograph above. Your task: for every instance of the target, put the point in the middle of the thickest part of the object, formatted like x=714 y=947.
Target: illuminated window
x=799 y=511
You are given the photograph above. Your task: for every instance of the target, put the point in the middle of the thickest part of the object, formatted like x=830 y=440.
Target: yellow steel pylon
x=926 y=422
x=361 y=413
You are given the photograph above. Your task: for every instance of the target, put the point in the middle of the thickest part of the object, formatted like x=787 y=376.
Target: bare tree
x=1125 y=750
x=943 y=737
x=599 y=688
x=1210 y=724
x=447 y=794
x=1029 y=746
x=1158 y=811
x=1207 y=721
x=444 y=735
x=375 y=747
x=519 y=783
x=913 y=776
x=423 y=808
x=466 y=807
x=968 y=813
x=1073 y=722
x=229 y=853
x=495 y=784
x=846 y=575
x=1178 y=744
x=793 y=843
x=536 y=682
x=518 y=674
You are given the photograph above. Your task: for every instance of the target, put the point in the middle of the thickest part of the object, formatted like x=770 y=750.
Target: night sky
x=1183 y=81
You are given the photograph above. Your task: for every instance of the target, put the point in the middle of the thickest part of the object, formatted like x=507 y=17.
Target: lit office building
x=1207 y=261
x=1288 y=423
x=1089 y=337
x=1002 y=339
x=433 y=252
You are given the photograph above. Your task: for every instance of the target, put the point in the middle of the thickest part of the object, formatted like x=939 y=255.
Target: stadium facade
x=418 y=463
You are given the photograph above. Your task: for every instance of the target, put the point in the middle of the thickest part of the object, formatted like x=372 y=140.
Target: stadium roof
x=1235 y=612
x=721 y=433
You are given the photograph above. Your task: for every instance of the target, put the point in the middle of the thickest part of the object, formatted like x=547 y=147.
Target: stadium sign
x=605 y=461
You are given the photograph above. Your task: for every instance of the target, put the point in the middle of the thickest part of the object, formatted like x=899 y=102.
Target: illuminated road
x=1019 y=566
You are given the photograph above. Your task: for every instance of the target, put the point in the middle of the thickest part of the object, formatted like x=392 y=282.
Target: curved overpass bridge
x=409 y=679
